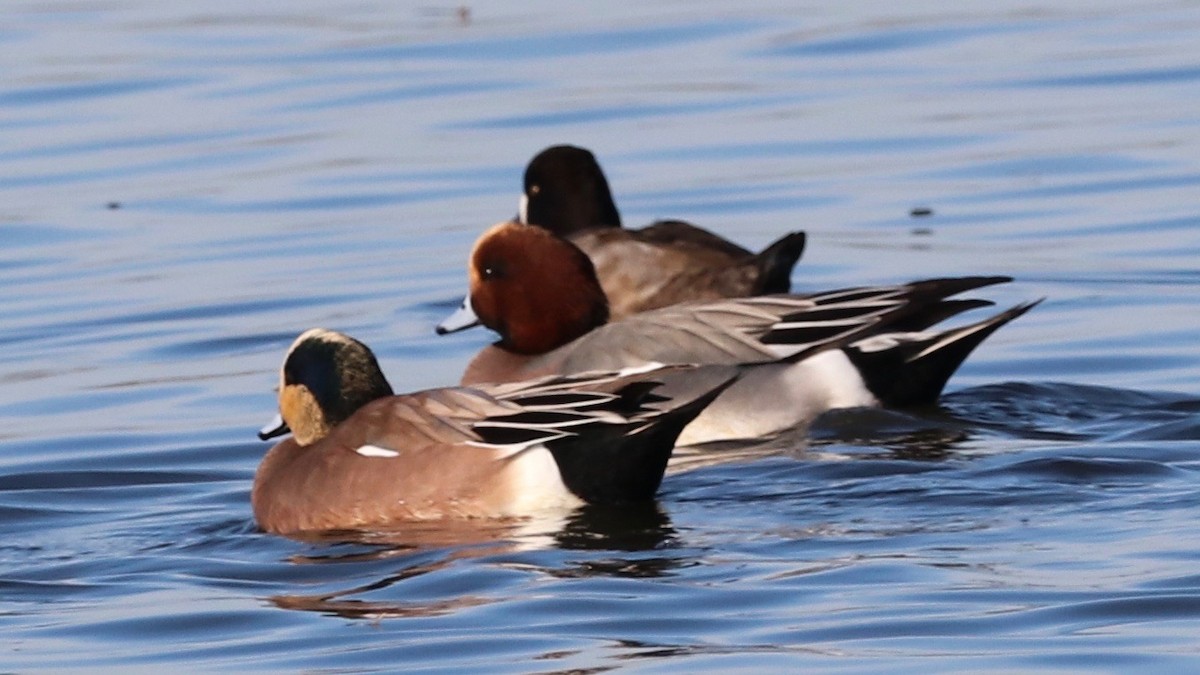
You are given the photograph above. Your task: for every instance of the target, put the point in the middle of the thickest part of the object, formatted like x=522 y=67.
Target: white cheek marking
x=523 y=209
x=376 y=451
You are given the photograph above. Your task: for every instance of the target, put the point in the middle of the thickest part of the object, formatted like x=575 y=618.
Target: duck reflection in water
x=629 y=541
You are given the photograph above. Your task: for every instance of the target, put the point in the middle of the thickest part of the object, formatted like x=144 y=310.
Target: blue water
x=184 y=189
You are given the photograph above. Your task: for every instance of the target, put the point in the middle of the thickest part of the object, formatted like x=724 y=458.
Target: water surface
x=185 y=189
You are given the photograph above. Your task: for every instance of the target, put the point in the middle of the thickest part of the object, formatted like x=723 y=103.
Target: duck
x=360 y=456
x=665 y=263
x=799 y=354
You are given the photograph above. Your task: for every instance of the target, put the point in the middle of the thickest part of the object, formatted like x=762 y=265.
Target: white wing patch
x=376 y=451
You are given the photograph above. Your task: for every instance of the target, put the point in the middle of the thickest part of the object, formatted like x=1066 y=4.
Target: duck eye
x=492 y=271
x=534 y=189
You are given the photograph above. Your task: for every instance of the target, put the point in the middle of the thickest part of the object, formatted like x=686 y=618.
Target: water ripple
x=1145 y=77
x=556 y=45
x=186 y=187
x=892 y=39
x=69 y=93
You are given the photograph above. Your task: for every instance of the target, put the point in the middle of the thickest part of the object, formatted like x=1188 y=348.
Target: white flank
x=538 y=484
x=834 y=380
x=777 y=397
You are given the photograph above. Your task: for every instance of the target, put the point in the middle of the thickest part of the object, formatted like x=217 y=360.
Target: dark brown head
x=566 y=192
x=325 y=378
x=537 y=290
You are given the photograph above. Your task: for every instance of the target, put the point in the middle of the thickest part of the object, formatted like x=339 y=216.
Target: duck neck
x=557 y=321
x=536 y=289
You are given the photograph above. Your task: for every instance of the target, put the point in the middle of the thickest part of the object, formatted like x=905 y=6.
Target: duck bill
x=463 y=318
x=277 y=427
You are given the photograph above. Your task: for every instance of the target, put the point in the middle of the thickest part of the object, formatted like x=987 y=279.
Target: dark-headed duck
x=664 y=264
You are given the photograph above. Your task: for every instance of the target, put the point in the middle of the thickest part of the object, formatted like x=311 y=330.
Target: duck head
x=537 y=290
x=566 y=192
x=326 y=376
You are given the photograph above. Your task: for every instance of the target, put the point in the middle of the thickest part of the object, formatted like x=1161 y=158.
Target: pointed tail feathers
x=935 y=314
x=911 y=369
x=619 y=463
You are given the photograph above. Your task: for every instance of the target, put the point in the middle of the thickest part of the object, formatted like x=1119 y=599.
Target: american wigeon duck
x=360 y=456
x=800 y=354
x=666 y=263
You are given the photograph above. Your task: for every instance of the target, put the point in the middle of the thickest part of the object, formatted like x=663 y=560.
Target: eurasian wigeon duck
x=800 y=354
x=360 y=456
x=664 y=264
